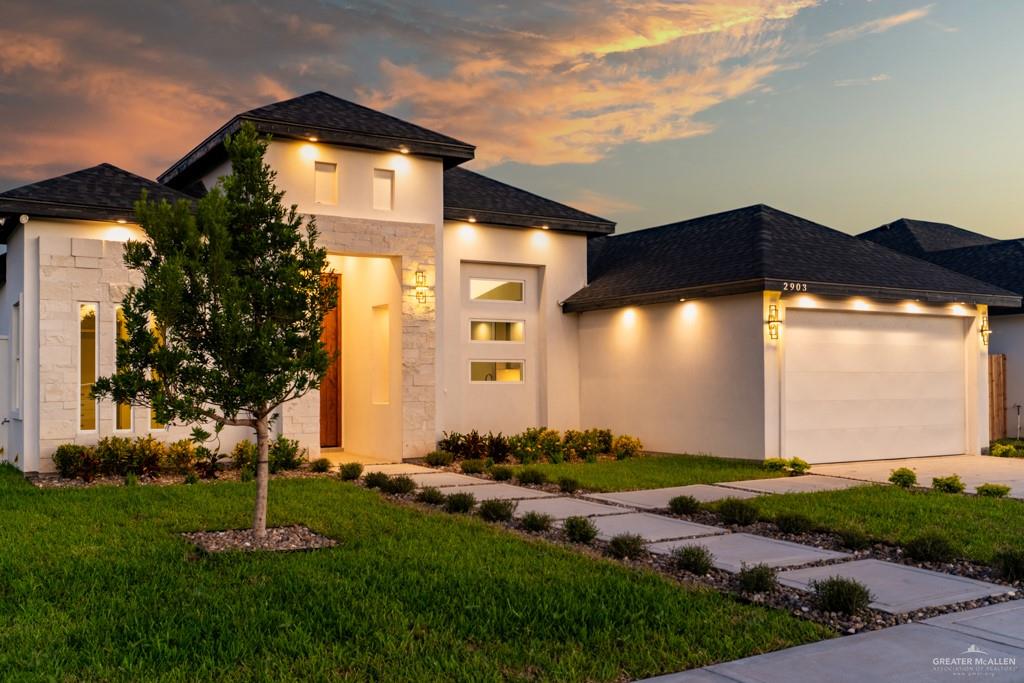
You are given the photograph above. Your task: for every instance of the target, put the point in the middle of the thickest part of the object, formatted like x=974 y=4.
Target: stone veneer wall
x=413 y=244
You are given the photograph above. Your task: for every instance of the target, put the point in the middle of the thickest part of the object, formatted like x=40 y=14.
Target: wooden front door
x=330 y=387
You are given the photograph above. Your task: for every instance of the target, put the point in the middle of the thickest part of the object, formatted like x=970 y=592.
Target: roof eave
x=452 y=213
x=664 y=296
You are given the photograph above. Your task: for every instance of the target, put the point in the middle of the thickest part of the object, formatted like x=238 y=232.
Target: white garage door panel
x=864 y=386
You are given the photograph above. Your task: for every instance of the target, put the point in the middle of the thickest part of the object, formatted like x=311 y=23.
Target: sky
x=848 y=112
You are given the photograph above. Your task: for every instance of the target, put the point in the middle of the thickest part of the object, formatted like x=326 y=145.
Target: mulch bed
x=279 y=539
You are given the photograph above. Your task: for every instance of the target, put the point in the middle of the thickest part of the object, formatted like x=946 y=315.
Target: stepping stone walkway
x=898 y=588
x=808 y=483
x=442 y=479
x=1002 y=623
x=561 y=508
x=655 y=499
x=499 y=492
x=398 y=468
x=651 y=527
x=732 y=551
x=911 y=653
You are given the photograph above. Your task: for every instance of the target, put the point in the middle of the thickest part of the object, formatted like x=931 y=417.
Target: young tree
x=226 y=325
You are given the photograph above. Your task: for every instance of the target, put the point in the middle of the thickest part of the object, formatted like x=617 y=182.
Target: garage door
x=866 y=386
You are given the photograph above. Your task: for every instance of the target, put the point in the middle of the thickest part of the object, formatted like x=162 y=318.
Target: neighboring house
x=465 y=304
x=999 y=262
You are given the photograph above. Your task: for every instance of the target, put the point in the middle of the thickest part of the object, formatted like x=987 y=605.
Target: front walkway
x=973 y=469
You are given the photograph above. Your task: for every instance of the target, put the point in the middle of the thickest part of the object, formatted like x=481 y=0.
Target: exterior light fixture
x=545 y=227
x=774 y=323
x=403 y=149
x=472 y=219
x=985 y=330
x=313 y=138
x=421 y=287
x=121 y=221
x=682 y=300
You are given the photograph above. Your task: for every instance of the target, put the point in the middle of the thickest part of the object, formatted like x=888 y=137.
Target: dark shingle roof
x=331 y=120
x=102 y=192
x=471 y=195
x=757 y=248
x=918 y=238
x=1000 y=263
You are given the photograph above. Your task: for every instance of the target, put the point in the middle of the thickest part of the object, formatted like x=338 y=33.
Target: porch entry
x=330 y=387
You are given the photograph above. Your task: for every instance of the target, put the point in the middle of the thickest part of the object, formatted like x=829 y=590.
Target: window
x=495 y=290
x=122 y=411
x=496 y=330
x=503 y=372
x=380 y=356
x=326 y=183
x=17 y=380
x=87 y=358
x=383 y=189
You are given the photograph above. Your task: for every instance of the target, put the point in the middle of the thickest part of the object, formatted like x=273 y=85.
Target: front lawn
x=96 y=584
x=656 y=471
x=980 y=526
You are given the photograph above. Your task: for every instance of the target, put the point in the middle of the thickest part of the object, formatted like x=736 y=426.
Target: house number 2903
x=794 y=286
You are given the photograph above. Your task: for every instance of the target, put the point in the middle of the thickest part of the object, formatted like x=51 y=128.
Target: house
x=999 y=262
x=466 y=303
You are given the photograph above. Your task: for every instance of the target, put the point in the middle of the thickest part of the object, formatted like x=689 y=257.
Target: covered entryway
x=330 y=386
x=870 y=386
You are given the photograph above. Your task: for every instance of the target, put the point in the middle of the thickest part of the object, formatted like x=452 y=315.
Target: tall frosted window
x=326 y=184
x=122 y=411
x=87 y=365
x=16 y=381
x=383 y=189
x=481 y=289
x=380 y=356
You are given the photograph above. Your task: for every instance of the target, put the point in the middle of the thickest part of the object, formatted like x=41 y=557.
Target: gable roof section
x=760 y=248
x=471 y=195
x=918 y=238
x=331 y=120
x=1000 y=263
x=100 y=193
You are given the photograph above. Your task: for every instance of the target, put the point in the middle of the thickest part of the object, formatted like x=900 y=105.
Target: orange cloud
x=878 y=25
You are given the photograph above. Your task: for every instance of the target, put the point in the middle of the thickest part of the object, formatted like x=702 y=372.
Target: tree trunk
x=259 y=519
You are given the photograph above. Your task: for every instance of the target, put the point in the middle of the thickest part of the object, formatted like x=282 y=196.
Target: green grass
x=978 y=526
x=656 y=471
x=96 y=584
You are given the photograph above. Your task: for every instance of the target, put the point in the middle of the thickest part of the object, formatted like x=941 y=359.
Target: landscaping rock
x=283 y=538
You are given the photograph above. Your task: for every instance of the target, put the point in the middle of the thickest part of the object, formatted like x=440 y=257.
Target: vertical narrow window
x=380 y=356
x=383 y=189
x=326 y=185
x=122 y=411
x=17 y=380
x=87 y=357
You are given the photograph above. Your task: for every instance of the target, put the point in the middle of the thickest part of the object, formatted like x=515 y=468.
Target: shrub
x=439 y=458
x=376 y=480
x=775 y=464
x=114 y=454
x=797 y=466
x=74 y=460
x=497 y=447
x=839 y=594
x=399 y=485
x=904 y=477
x=285 y=454
x=854 y=538
x=568 y=485
x=737 y=511
x=993 y=490
x=950 y=484
x=501 y=473
x=601 y=439
x=696 y=559
x=474 y=466
x=793 y=523
x=531 y=475
x=207 y=462
x=625 y=446
x=180 y=456
x=930 y=547
x=459 y=502
x=320 y=465
x=684 y=505
x=244 y=455
x=497 y=510
x=191 y=478
x=537 y=444
x=1010 y=564
x=431 y=495
x=537 y=521
x=579 y=529
x=578 y=445
x=758 y=578
x=351 y=471
x=450 y=442
x=626 y=546
x=1003 y=450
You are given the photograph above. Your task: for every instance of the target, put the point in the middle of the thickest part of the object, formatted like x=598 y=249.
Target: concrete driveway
x=973 y=469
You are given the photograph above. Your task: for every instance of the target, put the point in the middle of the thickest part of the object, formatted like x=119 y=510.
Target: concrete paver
x=651 y=527
x=1002 y=623
x=733 y=550
x=808 y=483
x=499 y=492
x=441 y=479
x=652 y=499
x=973 y=469
x=397 y=468
x=898 y=588
x=560 y=508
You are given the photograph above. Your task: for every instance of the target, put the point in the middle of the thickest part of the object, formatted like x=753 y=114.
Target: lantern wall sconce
x=774 y=323
x=985 y=330
x=421 y=287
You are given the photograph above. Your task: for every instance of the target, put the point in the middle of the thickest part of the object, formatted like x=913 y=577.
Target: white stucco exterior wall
x=684 y=377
